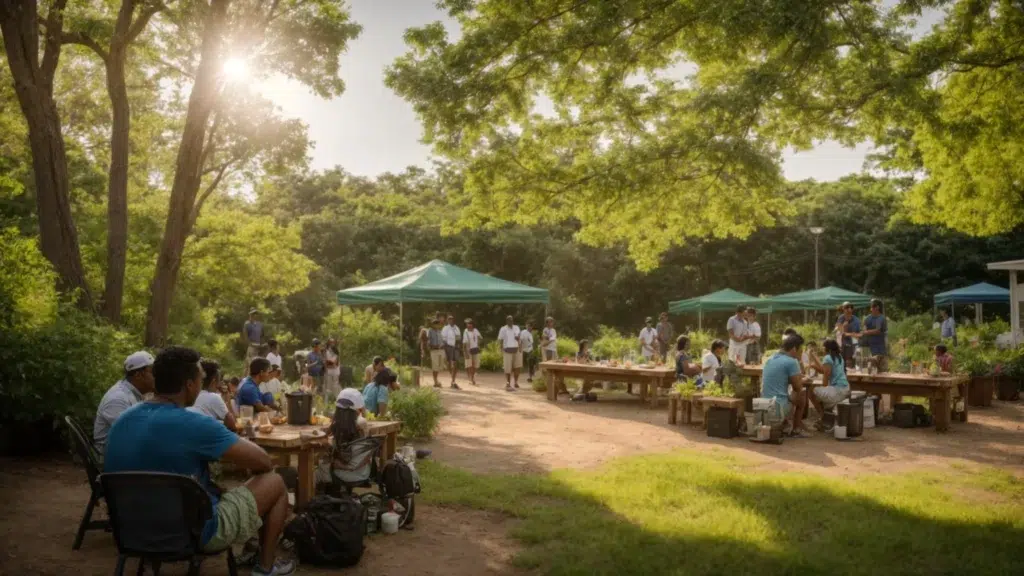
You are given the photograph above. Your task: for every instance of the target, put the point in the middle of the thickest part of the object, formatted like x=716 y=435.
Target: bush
x=539 y=385
x=700 y=340
x=985 y=333
x=419 y=409
x=567 y=347
x=610 y=343
x=815 y=332
x=62 y=368
x=914 y=329
x=365 y=334
x=491 y=358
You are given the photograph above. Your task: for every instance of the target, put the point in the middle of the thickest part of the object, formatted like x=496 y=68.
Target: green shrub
x=700 y=340
x=567 y=347
x=419 y=409
x=491 y=358
x=539 y=385
x=811 y=331
x=610 y=343
x=62 y=368
x=366 y=334
x=985 y=333
x=915 y=329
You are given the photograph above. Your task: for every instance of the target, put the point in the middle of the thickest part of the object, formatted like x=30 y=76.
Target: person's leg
x=272 y=504
x=507 y=361
x=798 y=399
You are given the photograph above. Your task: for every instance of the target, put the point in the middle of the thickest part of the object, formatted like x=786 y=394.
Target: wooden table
x=287 y=440
x=555 y=374
x=937 y=389
x=677 y=404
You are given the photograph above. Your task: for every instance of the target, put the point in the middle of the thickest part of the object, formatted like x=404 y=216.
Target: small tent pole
x=700 y=319
x=401 y=327
x=978 y=313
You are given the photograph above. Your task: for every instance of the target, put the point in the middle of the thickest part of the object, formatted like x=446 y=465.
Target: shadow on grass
x=682 y=514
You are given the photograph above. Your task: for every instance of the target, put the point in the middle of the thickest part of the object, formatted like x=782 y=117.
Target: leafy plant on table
x=716 y=390
x=686 y=389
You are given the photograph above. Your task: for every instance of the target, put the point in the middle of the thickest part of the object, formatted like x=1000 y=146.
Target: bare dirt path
x=490 y=430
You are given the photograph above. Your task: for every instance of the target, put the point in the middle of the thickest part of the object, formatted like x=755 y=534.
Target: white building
x=1015 y=268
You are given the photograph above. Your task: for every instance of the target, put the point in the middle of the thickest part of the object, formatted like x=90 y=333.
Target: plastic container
x=850 y=417
x=300 y=408
x=869 y=413
x=372 y=516
x=389 y=522
x=840 y=432
x=903 y=415
x=722 y=422
x=752 y=423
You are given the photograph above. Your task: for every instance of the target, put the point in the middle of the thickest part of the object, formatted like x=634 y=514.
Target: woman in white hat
x=347 y=425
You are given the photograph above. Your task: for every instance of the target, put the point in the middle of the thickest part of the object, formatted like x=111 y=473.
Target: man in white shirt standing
x=549 y=340
x=451 y=335
x=648 y=338
x=471 y=349
x=512 y=350
x=526 y=341
x=738 y=333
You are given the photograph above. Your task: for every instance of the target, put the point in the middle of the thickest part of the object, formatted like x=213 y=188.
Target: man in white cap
x=129 y=391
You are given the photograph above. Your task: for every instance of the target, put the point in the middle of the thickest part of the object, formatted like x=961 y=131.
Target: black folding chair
x=348 y=465
x=90 y=457
x=159 y=518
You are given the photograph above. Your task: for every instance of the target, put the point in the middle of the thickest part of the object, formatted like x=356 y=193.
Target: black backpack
x=397 y=479
x=329 y=532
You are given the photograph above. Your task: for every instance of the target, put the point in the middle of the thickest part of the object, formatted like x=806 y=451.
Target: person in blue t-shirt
x=876 y=329
x=848 y=326
x=160 y=435
x=375 y=394
x=780 y=372
x=836 y=387
x=249 y=390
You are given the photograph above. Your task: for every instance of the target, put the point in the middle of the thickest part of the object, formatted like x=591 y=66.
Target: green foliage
x=985 y=333
x=687 y=388
x=363 y=332
x=27 y=295
x=419 y=409
x=812 y=332
x=539 y=384
x=61 y=368
x=916 y=329
x=716 y=390
x=491 y=357
x=700 y=340
x=610 y=343
x=972 y=361
x=567 y=347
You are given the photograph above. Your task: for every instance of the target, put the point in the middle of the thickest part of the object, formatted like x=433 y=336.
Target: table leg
x=643 y=392
x=965 y=390
x=390 y=445
x=941 y=408
x=673 y=405
x=307 y=477
x=549 y=377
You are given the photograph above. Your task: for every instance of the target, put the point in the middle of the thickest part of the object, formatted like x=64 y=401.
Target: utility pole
x=816 y=231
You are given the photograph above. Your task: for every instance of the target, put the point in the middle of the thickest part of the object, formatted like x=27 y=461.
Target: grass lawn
x=688 y=513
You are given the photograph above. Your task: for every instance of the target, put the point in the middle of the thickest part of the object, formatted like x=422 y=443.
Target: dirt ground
x=492 y=431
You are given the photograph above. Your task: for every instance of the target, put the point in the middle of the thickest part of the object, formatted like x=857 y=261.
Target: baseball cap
x=351 y=399
x=253 y=311
x=140 y=359
x=846 y=305
x=649 y=320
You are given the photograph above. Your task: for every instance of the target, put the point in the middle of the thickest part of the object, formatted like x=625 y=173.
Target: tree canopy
x=652 y=122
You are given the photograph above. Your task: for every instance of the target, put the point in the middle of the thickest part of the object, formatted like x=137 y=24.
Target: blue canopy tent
x=980 y=294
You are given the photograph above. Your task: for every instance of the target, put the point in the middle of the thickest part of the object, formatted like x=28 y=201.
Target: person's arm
x=247 y=455
x=797 y=380
x=229 y=422
x=691 y=369
x=826 y=372
x=212 y=441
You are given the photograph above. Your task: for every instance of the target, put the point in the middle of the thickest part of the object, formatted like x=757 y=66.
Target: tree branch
x=54 y=31
x=85 y=40
x=221 y=173
x=143 y=19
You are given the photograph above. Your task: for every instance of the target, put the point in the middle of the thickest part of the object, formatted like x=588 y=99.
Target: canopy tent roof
x=826 y=298
x=981 y=293
x=439 y=281
x=726 y=299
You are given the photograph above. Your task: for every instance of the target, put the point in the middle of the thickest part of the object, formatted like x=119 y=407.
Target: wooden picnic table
x=287 y=440
x=555 y=374
x=937 y=389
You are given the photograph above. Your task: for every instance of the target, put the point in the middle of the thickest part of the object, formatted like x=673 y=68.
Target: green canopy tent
x=827 y=298
x=726 y=299
x=439 y=281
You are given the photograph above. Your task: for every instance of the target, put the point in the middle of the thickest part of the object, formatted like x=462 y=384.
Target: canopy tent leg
x=768 y=334
x=401 y=334
x=978 y=313
x=700 y=319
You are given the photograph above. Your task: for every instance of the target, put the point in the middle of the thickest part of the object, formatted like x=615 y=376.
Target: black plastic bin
x=300 y=408
x=722 y=422
x=851 y=415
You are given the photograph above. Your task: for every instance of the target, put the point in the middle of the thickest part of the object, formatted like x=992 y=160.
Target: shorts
x=663 y=349
x=238 y=519
x=473 y=361
x=737 y=350
x=513 y=361
x=438 y=361
x=451 y=353
x=550 y=355
x=830 y=395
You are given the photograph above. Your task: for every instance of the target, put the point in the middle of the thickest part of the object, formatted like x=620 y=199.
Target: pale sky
x=369 y=129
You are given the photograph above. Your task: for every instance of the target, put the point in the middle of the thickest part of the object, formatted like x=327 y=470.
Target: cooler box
x=722 y=422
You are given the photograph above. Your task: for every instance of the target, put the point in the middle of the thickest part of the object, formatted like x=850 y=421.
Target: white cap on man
x=351 y=399
x=138 y=360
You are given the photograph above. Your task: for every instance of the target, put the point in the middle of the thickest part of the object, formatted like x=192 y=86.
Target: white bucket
x=840 y=432
x=389 y=522
x=752 y=423
x=869 y=413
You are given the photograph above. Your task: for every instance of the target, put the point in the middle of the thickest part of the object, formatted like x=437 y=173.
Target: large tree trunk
x=117 y=188
x=33 y=83
x=187 y=177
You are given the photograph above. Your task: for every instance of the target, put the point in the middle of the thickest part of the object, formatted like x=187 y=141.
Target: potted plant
x=1011 y=377
x=982 y=375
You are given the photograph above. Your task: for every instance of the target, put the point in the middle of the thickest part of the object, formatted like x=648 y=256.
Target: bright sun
x=236 y=69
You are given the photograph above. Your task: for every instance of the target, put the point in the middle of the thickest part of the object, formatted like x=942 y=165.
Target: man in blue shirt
x=948 y=326
x=249 y=390
x=782 y=371
x=315 y=365
x=162 y=436
x=848 y=326
x=876 y=328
